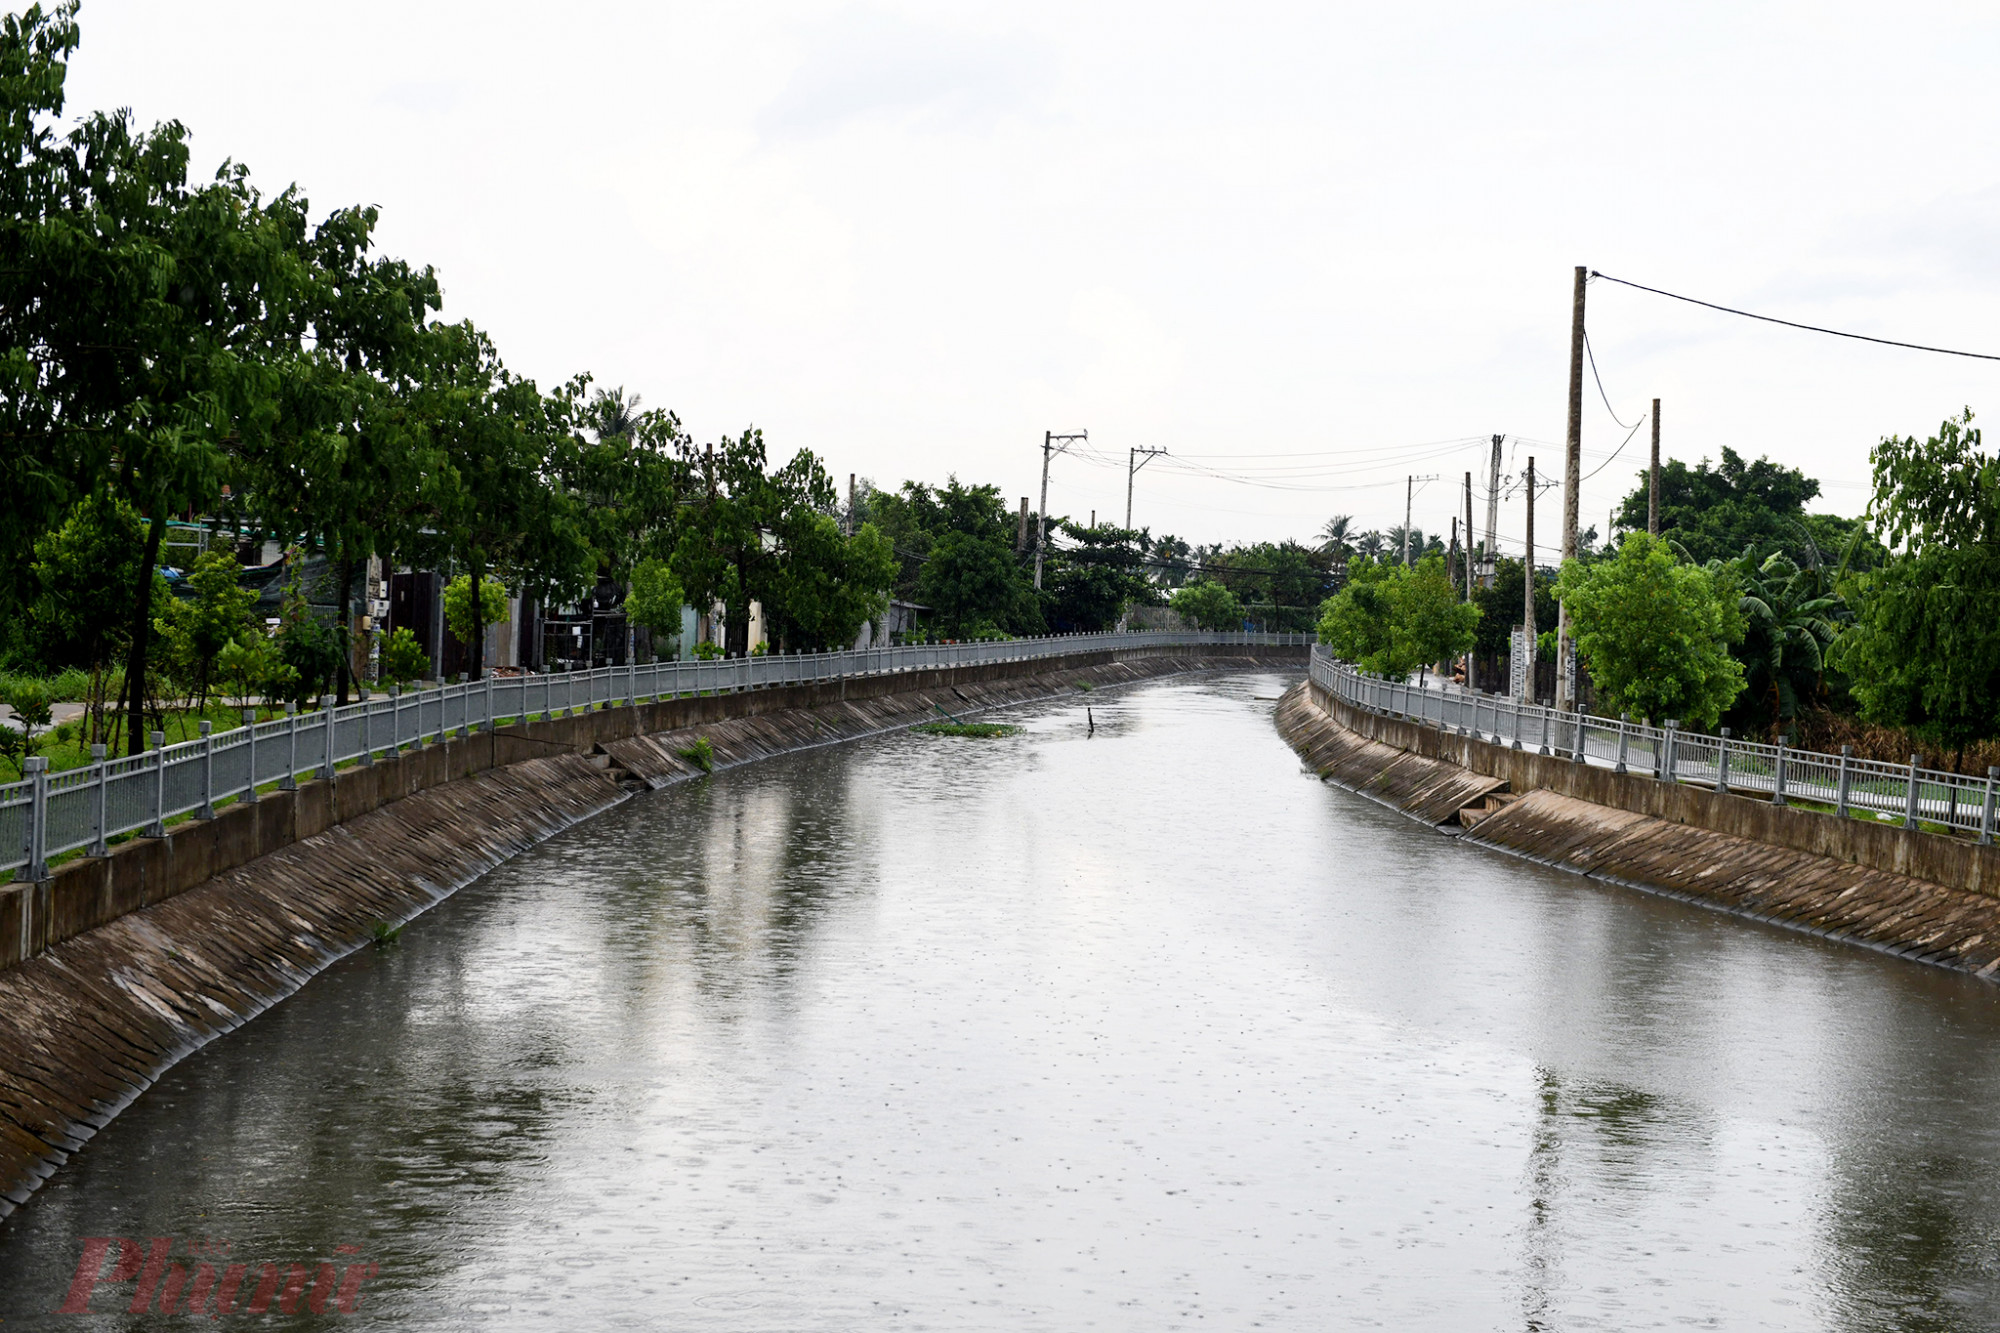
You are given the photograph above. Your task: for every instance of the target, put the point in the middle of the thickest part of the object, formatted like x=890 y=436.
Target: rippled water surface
x=1145 y=1029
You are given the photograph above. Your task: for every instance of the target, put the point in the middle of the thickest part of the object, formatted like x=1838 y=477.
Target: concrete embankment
x=1900 y=891
x=137 y=959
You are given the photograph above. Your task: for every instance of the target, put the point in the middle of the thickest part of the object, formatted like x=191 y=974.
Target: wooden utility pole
x=1471 y=671
x=850 y=504
x=1653 y=478
x=1528 y=611
x=1021 y=535
x=1572 y=487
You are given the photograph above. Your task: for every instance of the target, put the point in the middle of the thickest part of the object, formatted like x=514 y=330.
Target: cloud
x=875 y=66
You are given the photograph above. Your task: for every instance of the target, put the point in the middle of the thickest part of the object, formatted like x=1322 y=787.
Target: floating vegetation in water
x=701 y=754
x=1086 y=685
x=982 y=730
x=386 y=934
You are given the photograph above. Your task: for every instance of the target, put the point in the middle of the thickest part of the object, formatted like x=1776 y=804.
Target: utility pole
x=1021 y=534
x=1052 y=444
x=1409 y=495
x=1528 y=611
x=1653 y=478
x=850 y=504
x=1492 y=515
x=1471 y=654
x=1132 y=466
x=1572 y=486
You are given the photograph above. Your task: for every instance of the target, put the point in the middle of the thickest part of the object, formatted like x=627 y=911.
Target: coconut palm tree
x=613 y=414
x=1337 y=537
x=1371 y=543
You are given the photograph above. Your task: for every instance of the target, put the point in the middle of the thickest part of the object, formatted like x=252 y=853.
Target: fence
x=48 y=814
x=1907 y=793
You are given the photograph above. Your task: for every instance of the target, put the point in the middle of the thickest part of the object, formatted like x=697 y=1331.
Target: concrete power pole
x=1409 y=495
x=1572 y=487
x=1653 y=478
x=1052 y=444
x=1132 y=466
x=1021 y=534
x=1471 y=654
x=850 y=504
x=1492 y=515
x=1528 y=611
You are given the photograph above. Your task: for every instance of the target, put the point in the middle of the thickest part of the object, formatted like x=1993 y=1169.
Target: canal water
x=1137 y=1028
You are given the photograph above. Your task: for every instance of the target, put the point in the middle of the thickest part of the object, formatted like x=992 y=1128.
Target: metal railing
x=1899 y=793
x=47 y=814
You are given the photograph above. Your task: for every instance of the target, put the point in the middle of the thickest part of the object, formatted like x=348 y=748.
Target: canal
x=1135 y=1028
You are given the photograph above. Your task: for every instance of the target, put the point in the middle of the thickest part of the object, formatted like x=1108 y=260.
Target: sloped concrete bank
x=131 y=983
x=1630 y=835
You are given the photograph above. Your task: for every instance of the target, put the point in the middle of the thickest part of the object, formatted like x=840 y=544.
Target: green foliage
x=1393 y=619
x=385 y=934
x=830 y=584
x=701 y=753
x=403 y=658
x=196 y=628
x=1714 y=513
x=1656 y=632
x=84 y=573
x=1502 y=605
x=246 y=665
x=1207 y=604
x=458 y=608
x=309 y=650
x=1792 y=616
x=33 y=710
x=655 y=598
x=969 y=580
x=707 y=651
x=975 y=730
x=1924 y=651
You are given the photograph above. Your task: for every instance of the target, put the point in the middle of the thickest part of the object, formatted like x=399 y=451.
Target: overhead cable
x=1794 y=324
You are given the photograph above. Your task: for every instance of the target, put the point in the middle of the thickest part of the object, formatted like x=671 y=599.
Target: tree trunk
x=142 y=638
x=345 y=672
x=475 y=652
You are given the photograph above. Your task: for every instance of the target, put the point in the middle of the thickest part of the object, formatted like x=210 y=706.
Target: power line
x=1794 y=324
x=1600 y=382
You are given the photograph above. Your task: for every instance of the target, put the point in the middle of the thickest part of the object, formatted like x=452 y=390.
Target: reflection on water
x=1137 y=1029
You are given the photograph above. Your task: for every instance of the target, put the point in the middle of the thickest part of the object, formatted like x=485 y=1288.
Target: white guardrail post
x=38 y=817
x=290 y=781
x=101 y=804
x=1986 y=811
x=1840 y=796
x=1722 y=762
x=1910 y=804
x=207 y=770
x=250 y=744
x=158 y=828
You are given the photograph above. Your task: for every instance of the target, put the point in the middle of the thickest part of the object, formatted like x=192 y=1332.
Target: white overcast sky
x=1317 y=246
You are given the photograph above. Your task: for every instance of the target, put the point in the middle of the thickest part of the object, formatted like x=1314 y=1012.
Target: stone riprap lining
x=1843 y=900
x=93 y=1019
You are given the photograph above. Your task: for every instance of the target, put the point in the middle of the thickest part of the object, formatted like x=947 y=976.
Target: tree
x=1089 y=582
x=1337 y=537
x=83 y=573
x=655 y=600
x=1656 y=631
x=1791 y=618
x=1431 y=623
x=1502 y=604
x=197 y=627
x=1357 y=622
x=830 y=584
x=403 y=657
x=1714 y=513
x=465 y=619
x=1206 y=604
x=1924 y=651
x=969 y=582
x=310 y=652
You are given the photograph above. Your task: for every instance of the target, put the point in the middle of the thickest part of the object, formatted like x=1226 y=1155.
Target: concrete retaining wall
x=141 y=957
x=1844 y=879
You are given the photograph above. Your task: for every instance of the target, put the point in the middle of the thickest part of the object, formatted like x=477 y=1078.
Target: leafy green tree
x=196 y=628
x=403 y=658
x=1656 y=631
x=1431 y=624
x=1792 y=616
x=1358 y=622
x=655 y=599
x=830 y=584
x=308 y=649
x=250 y=665
x=1715 y=513
x=1924 y=651
x=83 y=574
x=33 y=709
x=1093 y=577
x=1206 y=604
x=970 y=583
x=465 y=619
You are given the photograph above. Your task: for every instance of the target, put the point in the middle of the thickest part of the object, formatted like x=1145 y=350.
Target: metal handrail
x=47 y=814
x=1906 y=794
